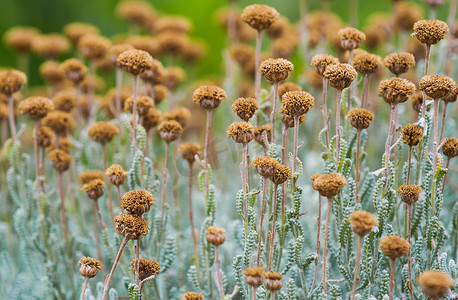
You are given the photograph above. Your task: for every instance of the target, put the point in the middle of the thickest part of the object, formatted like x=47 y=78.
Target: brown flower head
x=437 y=86
x=360 y=118
x=189 y=151
x=328 y=185
x=155 y=74
x=259 y=134
x=215 y=235
x=366 y=63
x=394 y=246
x=396 y=90
x=412 y=134
x=281 y=174
x=259 y=17
x=74 y=70
x=409 y=193
x=362 y=222
x=170 y=130
x=93 y=189
x=450 y=147
x=137 y=12
x=241 y=132
x=144 y=103
x=114 y=51
x=36 y=107
x=417 y=100
x=172 y=24
x=192 y=296
x=209 y=96
x=288 y=119
x=144 y=43
x=11 y=81
x=52 y=72
x=430 y=32
x=245 y=108
x=399 y=63
x=179 y=114
x=272 y=281
x=287 y=87
x=45 y=136
x=61 y=160
x=146 y=268
x=321 y=61
x=134 y=61
x=102 y=132
x=284 y=46
x=116 y=174
x=297 y=103
x=64 y=144
x=435 y=284
x=265 y=165
x=351 y=38
x=93 y=46
x=340 y=76
x=171 y=43
x=406 y=14
x=160 y=92
x=131 y=226
x=276 y=70
x=452 y=95
x=89 y=266
x=89 y=175
x=194 y=51
x=243 y=54
x=254 y=276
x=173 y=76
x=64 y=100
x=151 y=119
x=60 y=122
x=20 y=38
x=75 y=31
x=50 y=45
x=137 y=202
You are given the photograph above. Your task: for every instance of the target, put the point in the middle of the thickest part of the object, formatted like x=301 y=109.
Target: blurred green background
x=52 y=15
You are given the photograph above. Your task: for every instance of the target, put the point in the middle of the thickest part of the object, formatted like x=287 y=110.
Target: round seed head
x=288 y=119
x=179 y=114
x=340 y=76
x=362 y=222
x=434 y=3
x=412 y=134
x=254 y=276
x=297 y=103
x=272 y=281
x=116 y=174
x=287 y=87
x=140 y=13
x=64 y=145
x=430 y=32
x=192 y=296
x=144 y=103
x=36 y=107
x=265 y=165
x=406 y=14
x=241 y=132
x=285 y=45
x=170 y=130
x=60 y=122
x=172 y=24
x=409 y=193
x=278 y=28
x=245 y=108
x=399 y=63
x=366 y=63
x=51 y=45
x=281 y=174
x=131 y=226
x=11 y=81
x=75 y=31
x=93 y=189
x=114 y=51
x=89 y=175
x=137 y=202
x=155 y=74
x=64 y=100
x=20 y=38
x=89 y=266
x=451 y=96
x=45 y=136
x=52 y=72
x=260 y=131
x=243 y=54
x=351 y=38
x=189 y=151
x=60 y=159
x=360 y=118
x=215 y=235
x=102 y=132
x=173 y=76
x=450 y=147
x=328 y=185
x=437 y=86
x=134 y=61
x=146 y=268
x=276 y=70
x=396 y=90
x=209 y=96
x=171 y=43
x=435 y=284
x=93 y=46
x=144 y=43
x=417 y=100
x=74 y=70
x=259 y=17
x=394 y=246
x=161 y=92
x=194 y=51
x=151 y=118
x=321 y=61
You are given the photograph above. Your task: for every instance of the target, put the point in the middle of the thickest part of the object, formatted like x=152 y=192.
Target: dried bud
x=328 y=185
x=430 y=32
x=396 y=90
x=209 y=97
x=259 y=17
x=102 y=132
x=412 y=134
x=360 y=118
x=137 y=202
x=245 y=108
x=36 y=107
x=131 y=226
x=272 y=281
x=409 y=193
x=435 y=284
x=189 y=151
x=254 y=276
x=61 y=160
x=340 y=76
x=297 y=103
x=260 y=131
x=241 y=132
x=170 y=130
x=362 y=222
x=450 y=147
x=276 y=70
x=265 y=165
x=134 y=61
x=89 y=266
x=116 y=174
x=394 y=246
x=437 y=86
x=215 y=235
x=11 y=81
x=351 y=38
x=146 y=268
x=93 y=189
x=321 y=61
x=399 y=63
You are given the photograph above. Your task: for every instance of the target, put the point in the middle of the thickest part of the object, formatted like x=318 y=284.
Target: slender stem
x=445 y=175
x=164 y=181
x=436 y=135
x=118 y=191
x=191 y=220
x=388 y=141
x=231 y=23
x=358 y=173
x=325 y=246
x=409 y=229
x=367 y=79
x=296 y=135
x=444 y=112
x=134 y=111
x=450 y=21
x=263 y=205
x=254 y=292
x=273 y=231
x=351 y=87
x=257 y=74
x=324 y=110
x=99 y=215
x=358 y=259
x=118 y=95
x=423 y=105
x=137 y=262
x=273 y=113
x=244 y=162
x=11 y=117
x=86 y=280
x=408 y=164
x=219 y=273
x=206 y=146
x=392 y=265
x=37 y=162
x=338 y=109
x=63 y=213
x=79 y=112
x=113 y=268
x=96 y=233
x=318 y=244
x=175 y=178
x=109 y=198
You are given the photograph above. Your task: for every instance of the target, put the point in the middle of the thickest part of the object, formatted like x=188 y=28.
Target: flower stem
x=318 y=244
x=86 y=280
x=137 y=262
x=358 y=173
x=118 y=96
x=63 y=213
x=296 y=135
x=388 y=141
x=325 y=246
x=444 y=112
x=164 y=181
x=367 y=79
x=324 y=110
x=11 y=117
x=358 y=259
x=37 y=160
x=218 y=274
x=78 y=108
x=206 y=146
x=392 y=265
x=408 y=164
x=423 y=105
x=191 y=220
x=257 y=74
x=273 y=113
x=113 y=268
x=244 y=162
x=109 y=198
x=263 y=205
x=338 y=109
x=445 y=175
x=436 y=135
x=409 y=229
x=273 y=231
x=96 y=233
x=134 y=111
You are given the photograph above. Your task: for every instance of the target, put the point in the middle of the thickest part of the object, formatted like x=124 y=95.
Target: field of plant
x=317 y=161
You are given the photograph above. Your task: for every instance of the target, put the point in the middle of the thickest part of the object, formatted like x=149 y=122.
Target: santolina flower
x=241 y=132
x=146 y=268
x=192 y=296
x=259 y=134
x=351 y=38
x=89 y=266
x=61 y=160
x=93 y=188
x=340 y=76
x=89 y=175
x=64 y=100
x=75 y=31
x=116 y=174
x=409 y=193
x=209 y=96
x=362 y=222
x=52 y=72
x=321 y=61
x=137 y=202
x=435 y=284
x=276 y=70
x=20 y=38
x=366 y=63
x=396 y=90
x=134 y=61
x=102 y=132
x=93 y=46
x=179 y=114
x=215 y=235
x=36 y=107
x=288 y=119
x=287 y=87
x=394 y=246
x=254 y=276
x=297 y=103
x=131 y=226
x=436 y=86
x=265 y=165
x=170 y=130
x=450 y=147
x=11 y=81
x=281 y=174
x=399 y=63
x=151 y=118
x=360 y=118
x=259 y=17
x=144 y=103
x=245 y=108
x=430 y=32
x=412 y=134
x=74 y=70
x=328 y=185
x=272 y=281
x=189 y=151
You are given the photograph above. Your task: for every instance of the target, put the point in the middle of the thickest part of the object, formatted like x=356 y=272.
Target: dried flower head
x=281 y=174
x=412 y=134
x=321 y=61
x=243 y=54
x=351 y=38
x=64 y=100
x=430 y=32
x=137 y=12
x=437 y=86
x=288 y=119
x=409 y=193
x=406 y=14
x=160 y=93
x=74 y=70
x=287 y=87
x=399 y=63
x=276 y=70
x=209 y=96
x=340 y=76
x=241 y=132
x=89 y=175
x=116 y=174
x=155 y=74
x=328 y=185
x=64 y=144
x=60 y=122
x=137 y=202
x=362 y=222
x=450 y=147
x=192 y=296
x=297 y=103
x=394 y=246
x=114 y=51
x=170 y=130
x=452 y=95
x=179 y=114
x=259 y=17
x=261 y=133
x=254 y=276
x=45 y=136
x=50 y=45
x=144 y=103
x=61 y=160
x=396 y=90
x=102 y=132
x=134 y=61
x=435 y=284
x=172 y=24
x=272 y=281
x=11 y=81
x=366 y=63
x=151 y=118
x=417 y=100
x=215 y=235
x=279 y=28
x=52 y=72
x=36 y=107
x=173 y=76
x=360 y=118
x=265 y=165
x=245 y=108
x=93 y=188
x=89 y=266
x=93 y=46
x=146 y=268
x=194 y=51
x=20 y=38
x=75 y=31
x=131 y=226
x=144 y=43
x=189 y=151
